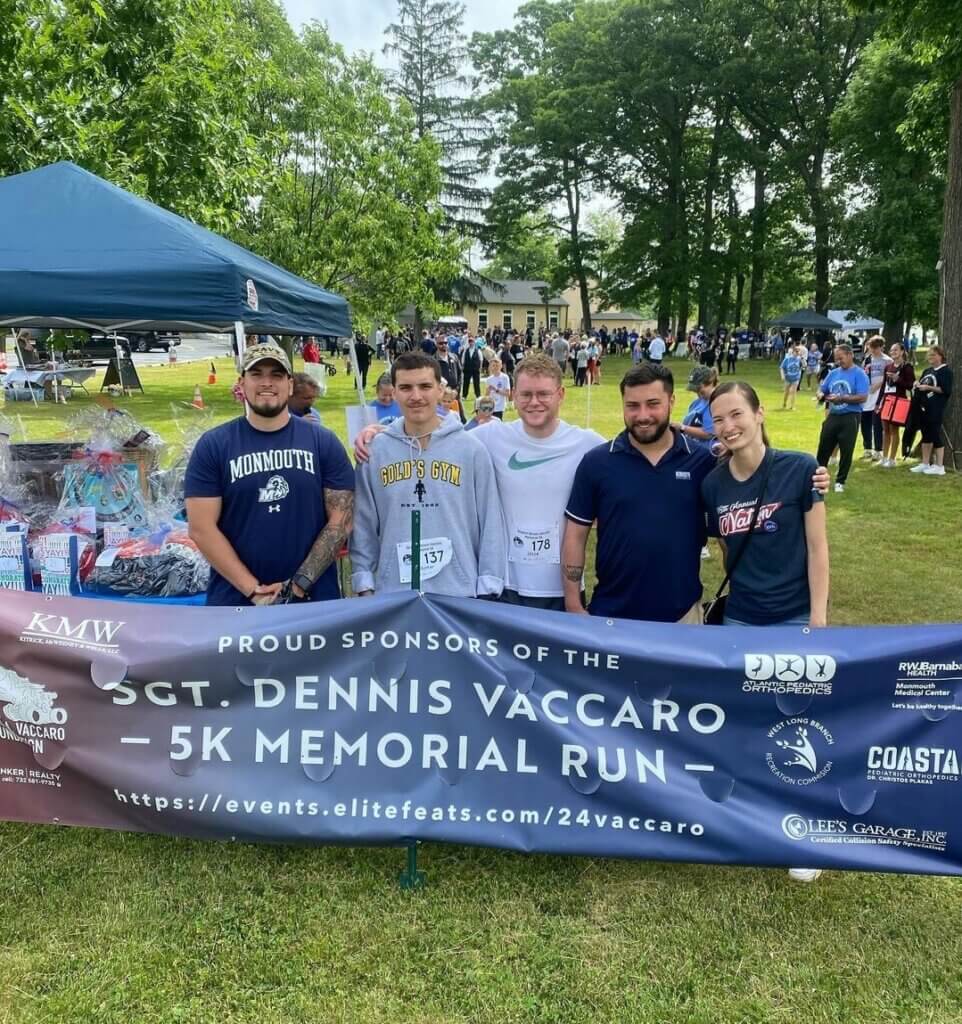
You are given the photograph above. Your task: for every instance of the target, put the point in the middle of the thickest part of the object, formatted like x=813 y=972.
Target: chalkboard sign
x=125 y=375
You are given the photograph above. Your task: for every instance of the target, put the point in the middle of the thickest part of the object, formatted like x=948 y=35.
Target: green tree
x=786 y=85
x=930 y=30
x=544 y=104
x=889 y=242
x=525 y=249
x=152 y=95
x=354 y=205
x=429 y=45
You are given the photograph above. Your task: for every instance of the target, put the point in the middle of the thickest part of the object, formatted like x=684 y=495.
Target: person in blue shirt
x=843 y=392
x=383 y=404
x=790 y=370
x=303 y=396
x=643 y=489
x=781 y=568
x=697 y=422
x=782 y=576
x=270 y=497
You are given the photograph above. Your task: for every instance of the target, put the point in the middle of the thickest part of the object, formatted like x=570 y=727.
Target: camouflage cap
x=259 y=353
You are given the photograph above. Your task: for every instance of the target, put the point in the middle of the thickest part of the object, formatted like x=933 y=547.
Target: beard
x=650 y=433
x=268 y=411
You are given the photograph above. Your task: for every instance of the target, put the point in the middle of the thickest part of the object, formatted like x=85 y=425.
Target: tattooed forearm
x=340 y=518
x=574 y=572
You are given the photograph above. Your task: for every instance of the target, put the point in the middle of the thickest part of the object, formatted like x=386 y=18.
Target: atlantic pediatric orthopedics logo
x=799 y=751
x=809 y=674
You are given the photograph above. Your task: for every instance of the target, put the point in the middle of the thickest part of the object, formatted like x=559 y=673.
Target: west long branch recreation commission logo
x=28 y=713
x=803 y=674
x=799 y=751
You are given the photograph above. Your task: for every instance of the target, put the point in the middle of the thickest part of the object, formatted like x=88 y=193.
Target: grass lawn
x=103 y=927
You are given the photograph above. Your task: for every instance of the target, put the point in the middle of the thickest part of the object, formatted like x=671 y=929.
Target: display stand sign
x=121 y=371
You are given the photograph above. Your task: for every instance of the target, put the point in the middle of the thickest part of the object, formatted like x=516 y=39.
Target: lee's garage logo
x=88 y=634
x=28 y=713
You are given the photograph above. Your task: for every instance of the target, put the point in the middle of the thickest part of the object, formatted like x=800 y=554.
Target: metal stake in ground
x=410 y=877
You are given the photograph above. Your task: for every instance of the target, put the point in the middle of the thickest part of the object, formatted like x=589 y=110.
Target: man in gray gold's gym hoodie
x=452 y=483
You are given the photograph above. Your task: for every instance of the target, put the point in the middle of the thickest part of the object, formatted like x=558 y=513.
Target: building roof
x=519 y=293
x=620 y=314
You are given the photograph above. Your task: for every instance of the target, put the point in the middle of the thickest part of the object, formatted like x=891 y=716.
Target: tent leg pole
x=239 y=340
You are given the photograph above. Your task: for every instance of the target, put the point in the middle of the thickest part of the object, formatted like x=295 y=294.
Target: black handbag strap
x=733 y=565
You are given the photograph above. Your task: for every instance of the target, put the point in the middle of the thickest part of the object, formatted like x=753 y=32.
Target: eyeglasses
x=524 y=397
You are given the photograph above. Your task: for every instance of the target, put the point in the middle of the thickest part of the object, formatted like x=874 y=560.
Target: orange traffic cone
x=212 y=376
x=198 y=401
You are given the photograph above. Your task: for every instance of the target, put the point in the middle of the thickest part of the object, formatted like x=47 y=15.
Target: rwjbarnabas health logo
x=28 y=713
x=799 y=751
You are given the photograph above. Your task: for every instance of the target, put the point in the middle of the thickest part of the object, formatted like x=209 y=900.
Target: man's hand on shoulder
x=362 y=443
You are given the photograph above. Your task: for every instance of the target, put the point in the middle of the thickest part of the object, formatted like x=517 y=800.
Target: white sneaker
x=804 y=874
x=840 y=488
x=922 y=467
x=935 y=470
x=868 y=454
x=705 y=553
x=887 y=463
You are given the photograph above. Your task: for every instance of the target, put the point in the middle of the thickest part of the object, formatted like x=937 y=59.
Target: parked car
x=144 y=341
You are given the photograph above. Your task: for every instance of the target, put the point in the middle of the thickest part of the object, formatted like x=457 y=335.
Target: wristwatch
x=303 y=581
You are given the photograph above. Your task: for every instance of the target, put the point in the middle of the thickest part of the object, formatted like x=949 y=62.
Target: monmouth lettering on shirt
x=267 y=462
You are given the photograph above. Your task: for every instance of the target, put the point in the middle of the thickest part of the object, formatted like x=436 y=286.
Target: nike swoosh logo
x=515 y=463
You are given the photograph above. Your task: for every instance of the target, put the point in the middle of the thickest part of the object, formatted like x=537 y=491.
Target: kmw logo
x=790 y=668
x=45 y=628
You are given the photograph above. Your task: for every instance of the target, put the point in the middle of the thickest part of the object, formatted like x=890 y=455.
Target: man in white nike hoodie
x=426 y=462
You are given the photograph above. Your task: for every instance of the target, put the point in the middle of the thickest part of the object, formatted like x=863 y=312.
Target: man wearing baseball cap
x=270 y=496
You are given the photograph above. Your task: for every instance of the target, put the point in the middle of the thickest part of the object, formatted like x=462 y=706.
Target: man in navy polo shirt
x=644 y=490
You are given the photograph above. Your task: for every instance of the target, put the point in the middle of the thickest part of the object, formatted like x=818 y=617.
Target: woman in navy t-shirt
x=782 y=576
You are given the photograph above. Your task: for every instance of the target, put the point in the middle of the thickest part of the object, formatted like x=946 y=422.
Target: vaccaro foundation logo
x=799 y=751
x=28 y=712
x=88 y=634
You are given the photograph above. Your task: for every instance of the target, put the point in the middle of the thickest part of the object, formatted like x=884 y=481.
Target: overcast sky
x=360 y=24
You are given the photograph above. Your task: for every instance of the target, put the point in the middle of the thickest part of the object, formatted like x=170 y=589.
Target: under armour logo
x=273 y=508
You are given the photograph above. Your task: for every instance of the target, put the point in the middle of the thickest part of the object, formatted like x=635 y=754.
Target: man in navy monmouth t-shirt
x=270 y=497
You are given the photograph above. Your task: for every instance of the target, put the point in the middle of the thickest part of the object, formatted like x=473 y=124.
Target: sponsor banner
x=406 y=716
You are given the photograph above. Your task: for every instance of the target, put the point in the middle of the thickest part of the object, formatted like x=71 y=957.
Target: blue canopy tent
x=76 y=251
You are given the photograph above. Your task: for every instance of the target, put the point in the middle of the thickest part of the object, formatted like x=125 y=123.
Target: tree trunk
x=759 y=234
x=739 y=297
x=950 y=304
x=706 y=268
x=821 y=228
x=731 y=258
